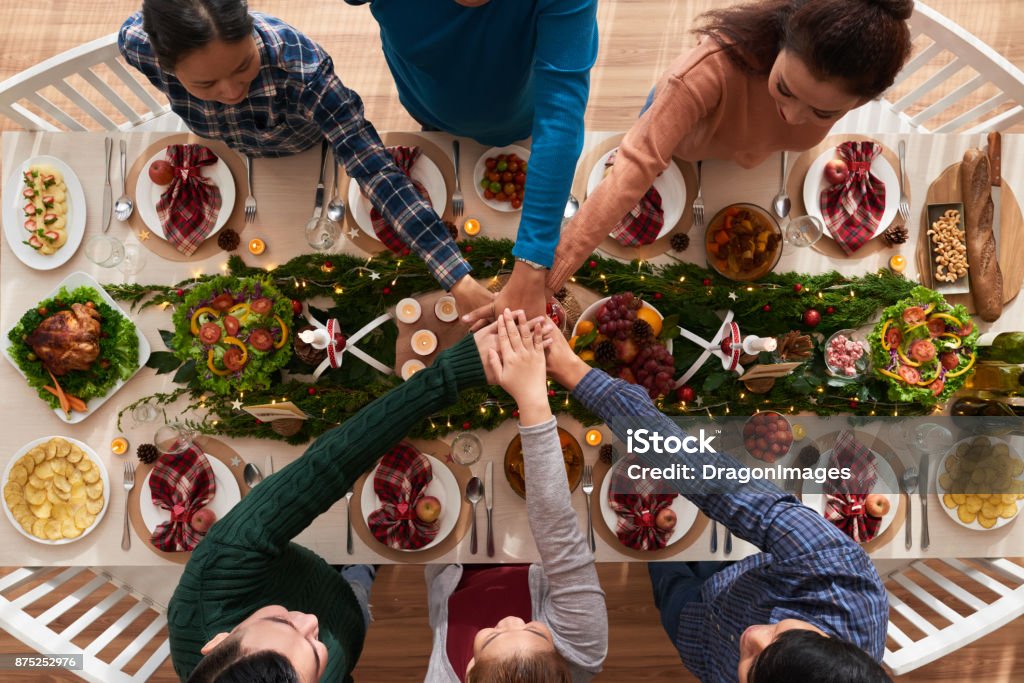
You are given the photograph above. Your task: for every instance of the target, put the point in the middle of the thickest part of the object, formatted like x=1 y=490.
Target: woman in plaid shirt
x=267 y=90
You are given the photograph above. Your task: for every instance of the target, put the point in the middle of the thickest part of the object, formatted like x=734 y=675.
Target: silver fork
x=904 y=202
x=129 y=484
x=458 y=203
x=250 y=201
x=348 y=519
x=588 y=488
x=698 y=202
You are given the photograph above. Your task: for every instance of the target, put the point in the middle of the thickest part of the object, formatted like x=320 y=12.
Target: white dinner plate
x=814 y=183
x=442 y=486
x=686 y=512
x=424 y=171
x=940 y=491
x=480 y=168
x=147 y=194
x=225 y=497
x=887 y=484
x=14 y=217
x=71 y=282
x=669 y=184
x=590 y=315
x=91 y=454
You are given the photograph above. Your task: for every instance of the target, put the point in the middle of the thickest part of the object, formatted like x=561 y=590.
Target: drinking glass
x=174 y=438
x=466 y=448
x=803 y=231
x=144 y=413
x=322 y=233
x=134 y=260
x=105 y=251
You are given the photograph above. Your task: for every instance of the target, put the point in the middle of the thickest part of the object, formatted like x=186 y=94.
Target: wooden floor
x=638 y=40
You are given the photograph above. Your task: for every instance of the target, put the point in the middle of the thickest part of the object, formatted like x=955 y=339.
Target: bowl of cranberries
x=500 y=177
x=767 y=436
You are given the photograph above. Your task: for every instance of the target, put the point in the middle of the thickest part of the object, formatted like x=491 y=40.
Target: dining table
x=284 y=188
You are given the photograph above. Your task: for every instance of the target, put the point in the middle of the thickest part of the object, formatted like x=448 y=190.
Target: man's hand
x=524 y=291
x=486 y=341
x=564 y=366
x=520 y=367
x=470 y=295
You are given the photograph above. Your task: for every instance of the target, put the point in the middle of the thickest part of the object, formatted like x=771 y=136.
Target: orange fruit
x=587 y=356
x=651 y=317
x=584 y=327
x=572 y=342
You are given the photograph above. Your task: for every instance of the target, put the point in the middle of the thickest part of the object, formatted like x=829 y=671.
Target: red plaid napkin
x=852 y=209
x=844 y=499
x=182 y=484
x=636 y=512
x=405 y=158
x=401 y=479
x=189 y=206
x=643 y=222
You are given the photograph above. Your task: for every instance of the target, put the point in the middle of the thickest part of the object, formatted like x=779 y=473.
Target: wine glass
x=105 y=251
x=803 y=231
x=144 y=413
x=134 y=260
x=466 y=448
x=322 y=233
x=174 y=438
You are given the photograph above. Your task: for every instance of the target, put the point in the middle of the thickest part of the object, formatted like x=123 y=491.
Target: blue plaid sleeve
x=134 y=46
x=758 y=512
x=339 y=112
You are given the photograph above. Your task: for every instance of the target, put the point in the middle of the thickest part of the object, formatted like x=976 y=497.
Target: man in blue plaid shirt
x=809 y=607
x=267 y=90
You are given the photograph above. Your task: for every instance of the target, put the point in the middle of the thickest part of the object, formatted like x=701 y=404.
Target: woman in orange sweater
x=767 y=76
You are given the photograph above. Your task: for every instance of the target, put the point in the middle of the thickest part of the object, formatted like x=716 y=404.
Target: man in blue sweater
x=500 y=71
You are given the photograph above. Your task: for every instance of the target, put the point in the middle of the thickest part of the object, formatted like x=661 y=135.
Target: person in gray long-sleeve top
x=543 y=623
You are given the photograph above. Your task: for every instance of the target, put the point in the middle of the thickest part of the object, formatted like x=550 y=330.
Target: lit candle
x=594 y=437
x=446 y=310
x=471 y=227
x=898 y=263
x=408 y=310
x=424 y=342
x=119 y=446
x=411 y=367
x=257 y=246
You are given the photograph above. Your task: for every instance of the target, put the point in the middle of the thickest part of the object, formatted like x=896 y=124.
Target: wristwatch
x=532 y=264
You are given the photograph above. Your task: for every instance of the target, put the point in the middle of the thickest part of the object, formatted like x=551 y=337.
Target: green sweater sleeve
x=283 y=505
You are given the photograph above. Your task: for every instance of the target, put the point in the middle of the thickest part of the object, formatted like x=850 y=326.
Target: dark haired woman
x=766 y=76
x=267 y=90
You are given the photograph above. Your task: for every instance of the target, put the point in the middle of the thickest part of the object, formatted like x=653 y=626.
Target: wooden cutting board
x=946 y=189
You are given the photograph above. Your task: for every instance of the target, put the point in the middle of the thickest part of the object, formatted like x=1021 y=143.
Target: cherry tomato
x=209 y=333
x=516 y=202
x=501 y=197
x=966 y=329
x=222 y=302
x=913 y=315
x=494 y=176
x=485 y=183
x=893 y=337
x=910 y=375
x=502 y=166
x=502 y=157
x=490 y=163
x=513 y=166
x=509 y=189
x=936 y=326
x=949 y=360
x=495 y=187
x=520 y=178
x=262 y=306
x=488 y=194
x=922 y=350
x=261 y=339
x=520 y=194
x=231 y=325
x=233 y=359
x=937 y=386
x=522 y=166
x=507 y=177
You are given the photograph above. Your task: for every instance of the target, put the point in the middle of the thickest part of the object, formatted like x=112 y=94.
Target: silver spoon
x=336 y=207
x=474 y=492
x=572 y=205
x=123 y=206
x=348 y=518
x=781 y=202
x=252 y=475
x=909 y=481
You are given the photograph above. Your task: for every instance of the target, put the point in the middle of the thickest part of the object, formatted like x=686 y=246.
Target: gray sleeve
x=573 y=607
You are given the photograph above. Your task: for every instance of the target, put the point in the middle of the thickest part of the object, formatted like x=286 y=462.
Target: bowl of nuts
x=947 y=249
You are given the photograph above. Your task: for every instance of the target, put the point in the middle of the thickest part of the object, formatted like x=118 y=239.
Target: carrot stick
x=65 y=405
x=74 y=402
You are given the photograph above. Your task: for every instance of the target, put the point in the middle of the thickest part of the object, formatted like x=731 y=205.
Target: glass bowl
x=743 y=242
x=859 y=366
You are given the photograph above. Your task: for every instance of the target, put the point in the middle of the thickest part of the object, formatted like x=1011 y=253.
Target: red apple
x=428 y=509
x=877 y=505
x=836 y=171
x=666 y=519
x=161 y=172
x=626 y=350
x=203 y=519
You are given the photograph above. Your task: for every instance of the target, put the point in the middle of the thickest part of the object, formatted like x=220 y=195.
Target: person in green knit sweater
x=252 y=605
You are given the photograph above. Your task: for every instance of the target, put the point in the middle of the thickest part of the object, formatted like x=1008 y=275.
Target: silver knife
x=995 y=162
x=108 y=193
x=489 y=503
x=925 y=480
x=318 y=207
x=270 y=465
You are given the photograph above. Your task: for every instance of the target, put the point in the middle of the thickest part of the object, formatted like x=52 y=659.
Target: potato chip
x=51 y=449
x=973 y=504
x=63 y=446
x=1006 y=499
x=1008 y=510
x=959 y=498
x=85 y=464
x=989 y=510
x=965 y=515
x=83 y=518
x=42 y=511
x=44 y=470
x=1017 y=467
x=948 y=501
x=945 y=481
x=1001 y=449
x=92 y=476
x=26 y=523
x=38 y=454
x=986 y=522
x=93 y=506
x=52 y=496
x=68 y=529
x=19 y=475
x=27 y=462
x=78 y=493
x=53 y=530
x=76 y=454
x=20 y=510
x=94 y=490
x=39 y=528
x=35 y=496
x=61 y=484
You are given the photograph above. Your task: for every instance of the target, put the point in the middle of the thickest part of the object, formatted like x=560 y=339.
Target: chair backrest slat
x=154 y=661
x=951 y=587
x=92 y=614
x=20 y=576
x=116 y=100
x=911 y=615
x=85 y=105
x=45 y=587
x=975 y=113
x=932 y=602
x=55 y=112
x=935 y=80
x=115 y=629
x=944 y=103
x=133 y=648
x=155 y=108
x=71 y=600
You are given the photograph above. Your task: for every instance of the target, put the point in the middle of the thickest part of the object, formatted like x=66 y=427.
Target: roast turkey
x=68 y=340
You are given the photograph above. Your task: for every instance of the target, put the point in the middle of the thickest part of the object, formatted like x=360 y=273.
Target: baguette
x=982 y=253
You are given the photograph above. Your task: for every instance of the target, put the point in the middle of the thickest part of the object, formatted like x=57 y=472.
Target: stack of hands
x=526 y=292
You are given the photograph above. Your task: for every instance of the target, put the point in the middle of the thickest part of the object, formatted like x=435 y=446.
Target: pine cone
x=642 y=331
x=287 y=426
x=147 y=453
x=306 y=353
x=794 y=346
x=895 y=234
x=604 y=353
x=808 y=456
x=453 y=229
x=680 y=241
x=228 y=240
x=562 y=293
x=606 y=453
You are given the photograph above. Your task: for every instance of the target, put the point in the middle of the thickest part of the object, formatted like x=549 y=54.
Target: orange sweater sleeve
x=682 y=99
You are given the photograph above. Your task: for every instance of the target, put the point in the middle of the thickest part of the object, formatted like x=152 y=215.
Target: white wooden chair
x=89 y=77
x=939 y=606
x=949 y=66
x=76 y=610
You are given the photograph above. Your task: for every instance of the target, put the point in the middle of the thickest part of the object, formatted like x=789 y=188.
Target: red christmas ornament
x=727 y=345
x=465 y=425
x=686 y=393
x=328 y=265
x=311 y=391
x=812 y=317
x=468 y=248
x=592 y=264
x=854 y=403
x=386 y=291
x=707 y=282
x=296 y=307
x=798 y=288
x=766 y=308
x=180 y=293
x=830 y=310
x=657 y=295
x=515 y=413
x=340 y=341
x=551 y=393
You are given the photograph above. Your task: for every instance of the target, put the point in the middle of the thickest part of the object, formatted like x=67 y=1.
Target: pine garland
x=360 y=288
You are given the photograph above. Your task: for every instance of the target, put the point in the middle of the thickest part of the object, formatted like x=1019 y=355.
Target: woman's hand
x=520 y=367
x=525 y=290
x=564 y=366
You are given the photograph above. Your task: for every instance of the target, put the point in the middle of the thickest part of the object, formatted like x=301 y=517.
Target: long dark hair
x=800 y=655
x=177 y=27
x=863 y=43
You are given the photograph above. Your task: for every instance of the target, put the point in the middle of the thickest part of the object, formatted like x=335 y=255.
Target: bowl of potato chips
x=56 y=490
x=979 y=482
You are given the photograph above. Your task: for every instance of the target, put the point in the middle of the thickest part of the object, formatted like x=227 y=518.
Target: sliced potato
x=38 y=454
x=93 y=507
x=39 y=528
x=62 y=445
x=19 y=475
x=68 y=529
x=94 y=490
x=76 y=454
x=44 y=470
x=986 y=522
x=35 y=496
x=965 y=515
x=92 y=476
x=42 y=511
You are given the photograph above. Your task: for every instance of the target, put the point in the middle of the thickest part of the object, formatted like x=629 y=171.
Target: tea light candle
x=408 y=310
x=424 y=342
x=471 y=227
x=446 y=310
x=411 y=367
x=257 y=246
x=898 y=263
x=594 y=437
x=119 y=446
